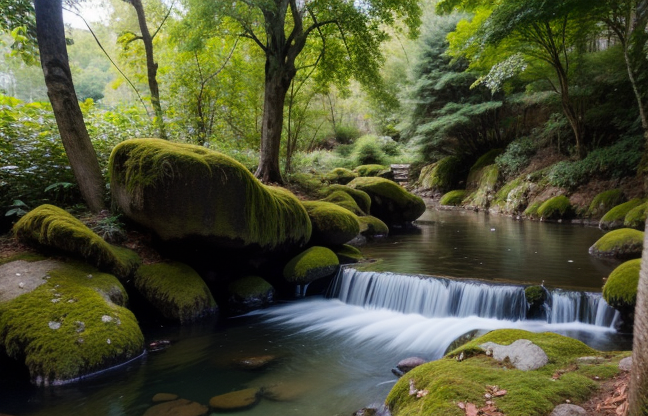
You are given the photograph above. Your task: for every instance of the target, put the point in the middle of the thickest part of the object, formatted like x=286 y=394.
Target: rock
x=535 y=297
x=372 y=170
x=185 y=192
x=20 y=277
x=344 y=200
x=441 y=176
x=620 y=289
x=636 y=217
x=180 y=407
x=314 y=263
x=603 y=202
x=255 y=363
x=285 y=391
x=568 y=410
x=176 y=291
x=371 y=226
x=390 y=202
x=164 y=397
x=360 y=197
x=332 y=224
x=376 y=409
x=625 y=364
x=410 y=363
x=485 y=181
x=237 y=400
x=555 y=208
x=348 y=254
x=365 y=412
x=249 y=293
x=523 y=354
x=615 y=217
x=341 y=176
x=54 y=228
x=454 y=198
x=624 y=243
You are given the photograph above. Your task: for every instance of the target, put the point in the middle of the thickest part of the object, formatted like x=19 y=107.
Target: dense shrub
x=346 y=134
x=516 y=156
x=368 y=151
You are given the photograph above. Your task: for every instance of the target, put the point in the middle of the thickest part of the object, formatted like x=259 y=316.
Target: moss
x=440 y=176
x=536 y=393
x=370 y=170
x=620 y=289
x=389 y=201
x=344 y=200
x=341 y=176
x=557 y=207
x=66 y=328
x=181 y=190
x=624 y=243
x=332 y=224
x=25 y=256
x=360 y=197
x=535 y=294
x=237 y=400
x=513 y=196
x=486 y=181
x=249 y=286
x=615 y=217
x=636 y=217
x=371 y=226
x=604 y=202
x=532 y=210
x=453 y=197
x=486 y=160
x=175 y=290
x=312 y=264
x=348 y=254
x=51 y=227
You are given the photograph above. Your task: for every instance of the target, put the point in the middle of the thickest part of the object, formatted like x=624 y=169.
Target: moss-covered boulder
x=536 y=297
x=50 y=227
x=360 y=197
x=332 y=224
x=69 y=326
x=176 y=291
x=620 y=289
x=513 y=197
x=624 y=243
x=555 y=208
x=440 y=385
x=182 y=191
x=604 y=202
x=487 y=160
x=344 y=200
x=487 y=179
x=615 y=217
x=249 y=293
x=532 y=210
x=454 y=198
x=636 y=217
x=371 y=170
x=389 y=201
x=312 y=264
x=371 y=226
x=348 y=254
x=441 y=176
x=237 y=400
x=340 y=176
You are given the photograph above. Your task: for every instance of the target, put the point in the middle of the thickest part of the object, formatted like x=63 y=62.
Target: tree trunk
x=50 y=33
x=638 y=394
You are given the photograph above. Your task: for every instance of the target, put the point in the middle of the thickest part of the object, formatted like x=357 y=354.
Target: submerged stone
x=179 y=407
x=164 y=397
x=255 y=363
x=237 y=400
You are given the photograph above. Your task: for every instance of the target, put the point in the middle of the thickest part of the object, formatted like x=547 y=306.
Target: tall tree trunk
x=638 y=394
x=151 y=67
x=50 y=33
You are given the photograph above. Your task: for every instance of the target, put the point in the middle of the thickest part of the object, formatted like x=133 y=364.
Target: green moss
x=441 y=176
x=360 y=197
x=532 y=393
x=348 y=254
x=532 y=210
x=175 y=290
x=535 y=294
x=51 y=227
x=615 y=217
x=555 y=208
x=604 y=202
x=513 y=196
x=389 y=201
x=620 y=289
x=66 y=328
x=453 y=197
x=332 y=224
x=344 y=200
x=624 y=243
x=249 y=286
x=181 y=190
x=370 y=170
x=487 y=159
x=25 y=256
x=371 y=226
x=636 y=217
x=341 y=176
x=312 y=264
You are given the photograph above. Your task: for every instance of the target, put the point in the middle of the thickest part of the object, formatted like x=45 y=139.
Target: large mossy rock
x=604 y=202
x=371 y=170
x=69 y=327
x=361 y=198
x=183 y=191
x=340 y=176
x=176 y=291
x=513 y=197
x=441 y=176
x=53 y=228
x=620 y=289
x=344 y=200
x=249 y=293
x=636 y=217
x=348 y=254
x=371 y=226
x=476 y=172
x=389 y=201
x=314 y=263
x=487 y=179
x=624 y=243
x=332 y=224
x=555 y=208
x=615 y=217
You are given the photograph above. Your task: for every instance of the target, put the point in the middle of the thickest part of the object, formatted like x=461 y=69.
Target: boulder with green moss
x=249 y=293
x=176 y=291
x=513 y=197
x=532 y=210
x=636 y=217
x=487 y=160
x=624 y=243
x=389 y=201
x=441 y=176
x=615 y=217
x=440 y=385
x=487 y=179
x=332 y=224
x=50 y=227
x=348 y=254
x=604 y=202
x=344 y=200
x=371 y=170
x=361 y=198
x=183 y=191
x=341 y=176
x=454 y=198
x=620 y=289
x=70 y=326
x=556 y=208
x=535 y=297
x=312 y=264
x=371 y=226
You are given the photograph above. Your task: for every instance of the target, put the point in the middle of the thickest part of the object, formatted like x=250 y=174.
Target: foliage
x=516 y=156
x=346 y=134
x=368 y=150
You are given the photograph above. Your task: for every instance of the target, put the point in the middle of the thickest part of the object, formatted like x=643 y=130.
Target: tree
x=287 y=27
x=638 y=394
x=60 y=89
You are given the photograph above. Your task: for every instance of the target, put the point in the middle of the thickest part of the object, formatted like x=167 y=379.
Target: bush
x=516 y=156
x=346 y=134
x=368 y=151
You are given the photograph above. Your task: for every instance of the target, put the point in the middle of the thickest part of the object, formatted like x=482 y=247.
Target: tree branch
x=163 y=20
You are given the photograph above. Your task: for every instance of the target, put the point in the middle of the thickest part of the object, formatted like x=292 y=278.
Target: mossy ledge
x=181 y=191
x=389 y=201
x=312 y=264
x=54 y=228
x=332 y=224
x=176 y=291
x=454 y=198
x=68 y=328
x=620 y=289
x=624 y=243
x=360 y=197
x=348 y=254
x=615 y=217
x=556 y=208
x=440 y=176
x=604 y=202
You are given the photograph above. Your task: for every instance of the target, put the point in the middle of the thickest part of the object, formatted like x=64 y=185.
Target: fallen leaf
x=500 y=393
x=471 y=409
x=461 y=405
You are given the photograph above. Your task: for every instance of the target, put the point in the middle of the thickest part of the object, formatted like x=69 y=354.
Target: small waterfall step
x=401 y=173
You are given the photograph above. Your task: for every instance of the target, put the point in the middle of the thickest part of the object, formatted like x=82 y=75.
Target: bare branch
x=163 y=20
